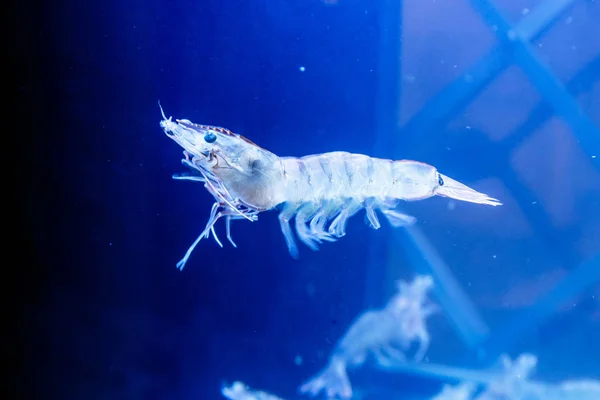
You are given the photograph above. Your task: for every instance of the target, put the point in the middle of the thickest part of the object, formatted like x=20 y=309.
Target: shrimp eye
x=440 y=180
x=210 y=137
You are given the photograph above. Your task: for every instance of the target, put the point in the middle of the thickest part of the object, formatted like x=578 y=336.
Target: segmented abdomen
x=323 y=191
x=342 y=175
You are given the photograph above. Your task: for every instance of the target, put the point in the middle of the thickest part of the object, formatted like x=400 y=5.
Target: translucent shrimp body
x=320 y=192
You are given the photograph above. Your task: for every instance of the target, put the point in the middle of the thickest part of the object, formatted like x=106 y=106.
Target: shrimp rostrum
x=320 y=192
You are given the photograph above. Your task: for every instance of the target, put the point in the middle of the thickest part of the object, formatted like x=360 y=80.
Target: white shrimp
x=315 y=190
x=386 y=334
x=239 y=391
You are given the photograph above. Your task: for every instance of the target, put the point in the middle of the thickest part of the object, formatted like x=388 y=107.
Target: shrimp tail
x=456 y=190
x=333 y=380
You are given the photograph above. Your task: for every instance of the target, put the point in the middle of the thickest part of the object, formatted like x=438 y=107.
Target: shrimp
x=463 y=391
x=513 y=383
x=239 y=391
x=385 y=334
x=314 y=190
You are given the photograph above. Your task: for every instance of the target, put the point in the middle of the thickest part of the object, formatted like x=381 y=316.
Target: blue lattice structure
x=513 y=48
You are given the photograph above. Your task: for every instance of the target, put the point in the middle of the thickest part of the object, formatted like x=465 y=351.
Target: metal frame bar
x=456 y=304
x=461 y=92
x=455 y=97
x=588 y=136
x=464 y=90
x=531 y=319
x=549 y=86
x=544 y=111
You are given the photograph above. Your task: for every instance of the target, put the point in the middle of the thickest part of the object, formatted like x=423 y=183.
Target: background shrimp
x=320 y=192
x=384 y=334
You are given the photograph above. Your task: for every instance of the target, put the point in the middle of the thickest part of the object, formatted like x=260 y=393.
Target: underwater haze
x=405 y=198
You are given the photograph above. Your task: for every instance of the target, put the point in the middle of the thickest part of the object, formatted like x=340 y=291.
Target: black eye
x=440 y=180
x=210 y=137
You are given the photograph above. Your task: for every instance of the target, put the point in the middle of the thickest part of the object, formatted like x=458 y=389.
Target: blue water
x=108 y=316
